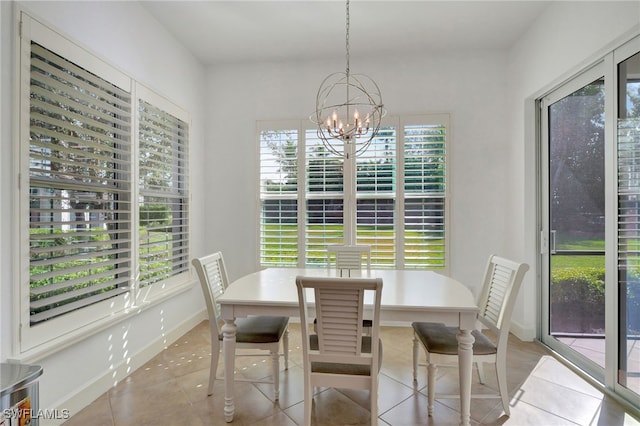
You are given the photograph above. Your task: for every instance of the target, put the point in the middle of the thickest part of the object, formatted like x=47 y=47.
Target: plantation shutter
x=79 y=186
x=400 y=198
x=424 y=195
x=278 y=197
x=376 y=196
x=163 y=201
x=324 y=200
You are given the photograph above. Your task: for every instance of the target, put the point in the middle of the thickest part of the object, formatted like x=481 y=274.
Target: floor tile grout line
x=570 y=388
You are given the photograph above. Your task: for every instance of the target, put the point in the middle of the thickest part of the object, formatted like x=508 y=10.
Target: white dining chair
x=254 y=332
x=502 y=282
x=348 y=258
x=339 y=355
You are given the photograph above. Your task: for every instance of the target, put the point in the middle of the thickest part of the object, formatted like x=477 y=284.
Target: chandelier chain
x=347 y=38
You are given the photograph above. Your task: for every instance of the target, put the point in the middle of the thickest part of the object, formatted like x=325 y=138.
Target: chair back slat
x=339 y=316
x=213 y=279
x=502 y=281
x=349 y=260
x=349 y=257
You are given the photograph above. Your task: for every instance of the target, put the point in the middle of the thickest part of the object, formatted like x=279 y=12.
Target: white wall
x=128 y=37
x=492 y=165
x=470 y=85
x=565 y=38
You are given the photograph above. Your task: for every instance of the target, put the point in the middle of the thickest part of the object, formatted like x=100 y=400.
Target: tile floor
x=171 y=389
x=593 y=348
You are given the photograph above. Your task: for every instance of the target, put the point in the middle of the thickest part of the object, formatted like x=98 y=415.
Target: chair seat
x=259 y=329
x=437 y=338
x=352 y=369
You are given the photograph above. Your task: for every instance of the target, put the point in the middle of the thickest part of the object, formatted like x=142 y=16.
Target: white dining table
x=407 y=296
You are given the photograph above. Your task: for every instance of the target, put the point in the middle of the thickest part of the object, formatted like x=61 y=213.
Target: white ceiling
x=247 y=31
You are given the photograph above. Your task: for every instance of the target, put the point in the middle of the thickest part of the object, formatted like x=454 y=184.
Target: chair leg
x=308 y=401
x=415 y=358
x=373 y=396
x=501 y=372
x=432 y=370
x=215 y=356
x=480 y=367
x=275 y=363
x=285 y=348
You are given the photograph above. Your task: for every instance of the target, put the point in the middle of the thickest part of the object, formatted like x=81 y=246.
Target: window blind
x=424 y=195
x=376 y=195
x=324 y=200
x=163 y=199
x=79 y=186
x=278 y=197
x=399 y=196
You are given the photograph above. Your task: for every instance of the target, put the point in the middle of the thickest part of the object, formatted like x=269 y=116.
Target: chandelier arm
x=327 y=145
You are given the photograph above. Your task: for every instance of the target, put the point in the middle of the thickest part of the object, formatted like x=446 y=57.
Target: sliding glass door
x=575 y=261
x=590 y=219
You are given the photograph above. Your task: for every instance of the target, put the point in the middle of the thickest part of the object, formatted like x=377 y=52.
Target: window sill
x=49 y=348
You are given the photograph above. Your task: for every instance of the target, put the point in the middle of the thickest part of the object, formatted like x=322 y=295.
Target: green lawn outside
x=581 y=244
x=422 y=250
x=570 y=261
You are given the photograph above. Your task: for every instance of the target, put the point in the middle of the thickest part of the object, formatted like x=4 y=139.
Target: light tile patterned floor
x=593 y=348
x=171 y=389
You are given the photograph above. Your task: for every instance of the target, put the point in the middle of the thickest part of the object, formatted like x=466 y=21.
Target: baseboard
x=85 y=396
x=526 y=334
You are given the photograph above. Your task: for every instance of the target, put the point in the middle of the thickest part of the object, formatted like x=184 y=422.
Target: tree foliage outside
x=577 y=164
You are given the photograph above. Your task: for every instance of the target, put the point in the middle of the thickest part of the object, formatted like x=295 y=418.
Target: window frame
x=32 y=342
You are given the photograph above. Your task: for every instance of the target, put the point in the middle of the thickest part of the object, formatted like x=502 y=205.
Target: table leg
x=229 y=348
x=465 y=359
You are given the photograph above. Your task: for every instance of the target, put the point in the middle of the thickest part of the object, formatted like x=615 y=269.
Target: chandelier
x=348 y=110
